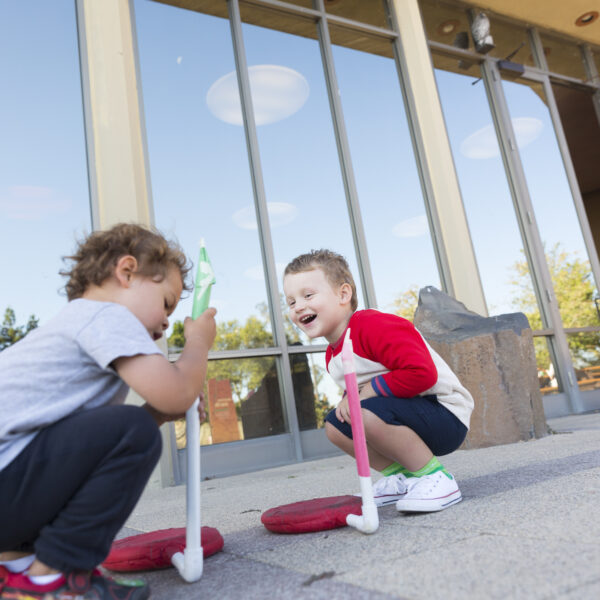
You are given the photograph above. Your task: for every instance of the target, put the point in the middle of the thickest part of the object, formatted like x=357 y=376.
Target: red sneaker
x=84 y=585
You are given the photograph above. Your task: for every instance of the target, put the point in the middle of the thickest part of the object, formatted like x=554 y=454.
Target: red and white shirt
x=391 y=353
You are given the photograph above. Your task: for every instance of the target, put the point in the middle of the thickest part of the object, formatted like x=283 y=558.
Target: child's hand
x=171 y=388
x=342 y=411
x=204 y=327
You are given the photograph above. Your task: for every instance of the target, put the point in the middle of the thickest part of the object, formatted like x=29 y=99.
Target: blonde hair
x=334 y=266
x=97 y=255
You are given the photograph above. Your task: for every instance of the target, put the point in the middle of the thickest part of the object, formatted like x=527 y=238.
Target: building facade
x=431 y=142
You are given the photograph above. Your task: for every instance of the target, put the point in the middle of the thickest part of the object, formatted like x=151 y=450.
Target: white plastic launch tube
x=190 y=562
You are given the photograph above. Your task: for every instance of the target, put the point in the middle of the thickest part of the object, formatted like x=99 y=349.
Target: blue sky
x=199 y=166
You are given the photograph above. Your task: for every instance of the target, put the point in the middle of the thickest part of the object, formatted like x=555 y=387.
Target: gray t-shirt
x=63 y=367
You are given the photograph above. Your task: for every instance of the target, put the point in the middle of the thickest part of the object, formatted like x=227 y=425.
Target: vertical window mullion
x=341 y=137
x=283 y=363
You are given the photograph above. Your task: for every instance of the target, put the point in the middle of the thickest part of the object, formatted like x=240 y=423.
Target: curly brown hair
x=334 y=266
x=97 y=255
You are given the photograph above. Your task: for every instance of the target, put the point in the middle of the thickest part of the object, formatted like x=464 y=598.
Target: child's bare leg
x=39 y=568
x=377 y=460
x=397 y=443
x=386 y=444
x=16 y=561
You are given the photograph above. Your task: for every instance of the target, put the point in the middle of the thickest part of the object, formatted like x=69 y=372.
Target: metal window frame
x=534 y=249
x=88 y=130
x=439 y=248
x=341 y=138
x=304 y=444
x=297 y=445
x=553 y=328
x=262 y=217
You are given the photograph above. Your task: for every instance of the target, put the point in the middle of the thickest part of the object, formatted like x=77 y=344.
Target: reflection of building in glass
x=378 y=129
x=261 y=411
x=223 y=416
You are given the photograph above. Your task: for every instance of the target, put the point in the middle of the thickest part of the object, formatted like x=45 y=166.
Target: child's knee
x=334 y=435
x=330 y=431
x=373 y=425
x=143 y=434
x=369 y=419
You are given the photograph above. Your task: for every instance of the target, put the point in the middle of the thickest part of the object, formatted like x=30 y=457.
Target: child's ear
x=125 y=269
x=345 y=293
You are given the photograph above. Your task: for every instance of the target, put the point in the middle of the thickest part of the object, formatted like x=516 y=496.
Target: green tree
x=246 y=374
x=406 y=303
x=10 y=333
x=322 y=408
x=574 y=290
x=176 y=340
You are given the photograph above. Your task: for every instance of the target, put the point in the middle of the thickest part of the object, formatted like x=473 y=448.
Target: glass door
x=568 y=327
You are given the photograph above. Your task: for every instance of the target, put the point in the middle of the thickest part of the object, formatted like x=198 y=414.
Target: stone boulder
x=494 y=359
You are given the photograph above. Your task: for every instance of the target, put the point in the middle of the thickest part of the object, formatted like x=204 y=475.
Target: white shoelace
x=389 y=486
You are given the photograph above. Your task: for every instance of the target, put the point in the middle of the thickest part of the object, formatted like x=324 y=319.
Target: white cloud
x=31 y=202
x=179 y=59
x=277 y=93
x=413 y=227
x=484 y=144
x=280 y=213
x=256 y=273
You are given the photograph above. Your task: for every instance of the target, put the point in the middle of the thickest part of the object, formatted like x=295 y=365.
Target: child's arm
x=171 y=388
x=394 y=343
x=162 y=418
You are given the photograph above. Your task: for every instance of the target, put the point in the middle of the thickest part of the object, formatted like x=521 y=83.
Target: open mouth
x=307 y=319
x=156 y=336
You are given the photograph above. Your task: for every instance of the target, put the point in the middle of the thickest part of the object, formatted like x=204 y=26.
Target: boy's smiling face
x=315 y=306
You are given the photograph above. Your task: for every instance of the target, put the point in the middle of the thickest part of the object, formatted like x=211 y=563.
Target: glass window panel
x=44 y=196
x=585 y=353
x=314 y=390
x=580 y=123
x=597 y=60
x=209 y=7
x=358 y=40
x=387 y=179
x=511 y=42
x=303 y=3
x=553 y=204
x=563 y=56
x=303 y=184
x=199 y=164
x=242 y=401
x=371 y=13
x=546 y=373
x=275 y=19
x=486 y=195
x=446 y=23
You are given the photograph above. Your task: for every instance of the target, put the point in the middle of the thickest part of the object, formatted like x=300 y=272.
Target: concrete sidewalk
x=528 y=527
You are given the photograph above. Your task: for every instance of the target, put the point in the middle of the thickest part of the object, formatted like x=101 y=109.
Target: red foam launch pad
x=308 y=516
x=154 y=550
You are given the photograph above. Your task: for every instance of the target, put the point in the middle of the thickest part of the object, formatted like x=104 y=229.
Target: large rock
x=494 y=359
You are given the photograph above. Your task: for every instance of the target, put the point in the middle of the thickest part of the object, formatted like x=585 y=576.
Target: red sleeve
x=394 y=343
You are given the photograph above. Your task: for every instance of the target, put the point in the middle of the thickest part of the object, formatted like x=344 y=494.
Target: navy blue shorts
x=433 y=423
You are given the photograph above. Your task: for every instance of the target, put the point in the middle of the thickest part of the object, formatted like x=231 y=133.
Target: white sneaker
x=430 y=493
x=389 y=489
